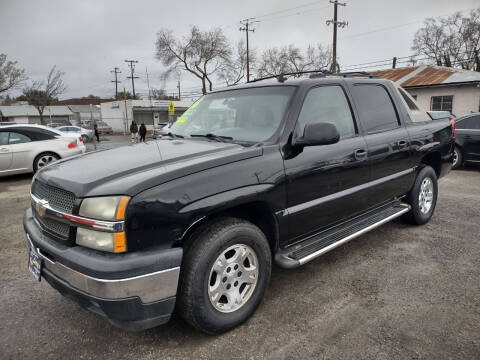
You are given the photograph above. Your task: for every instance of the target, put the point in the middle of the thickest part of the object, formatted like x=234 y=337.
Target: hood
x=130 y=169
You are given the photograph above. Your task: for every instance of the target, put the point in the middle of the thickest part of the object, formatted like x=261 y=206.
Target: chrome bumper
x=149 y=287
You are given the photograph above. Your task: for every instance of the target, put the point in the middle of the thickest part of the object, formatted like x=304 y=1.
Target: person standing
x=143 y=132
x=134 y=131
x=95 y=130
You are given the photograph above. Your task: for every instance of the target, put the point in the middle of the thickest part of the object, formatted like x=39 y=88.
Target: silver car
x=28 y=148
x=86 y=134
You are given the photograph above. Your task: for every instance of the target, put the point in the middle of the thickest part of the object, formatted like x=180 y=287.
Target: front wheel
x=423 y=196
x=225 y=273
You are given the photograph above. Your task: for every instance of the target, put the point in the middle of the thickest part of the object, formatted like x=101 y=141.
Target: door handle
x=4 y=150
x=401 y=144
x=360 y=154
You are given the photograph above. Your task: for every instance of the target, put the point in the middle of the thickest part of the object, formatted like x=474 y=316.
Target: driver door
x=325 y=183
x=5 y=152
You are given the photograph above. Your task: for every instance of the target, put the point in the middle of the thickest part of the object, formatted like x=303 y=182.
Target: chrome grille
x=59 y=199
x=60 y=229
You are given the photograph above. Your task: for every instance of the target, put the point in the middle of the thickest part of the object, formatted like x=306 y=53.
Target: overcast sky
x=86 y=38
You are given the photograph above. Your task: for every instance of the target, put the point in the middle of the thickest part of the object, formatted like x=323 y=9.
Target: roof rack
x=317 y=74
x=282 y=78
x=357 y=73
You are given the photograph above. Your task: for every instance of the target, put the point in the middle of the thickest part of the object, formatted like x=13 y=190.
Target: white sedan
x=86 y=134
x=27 y=148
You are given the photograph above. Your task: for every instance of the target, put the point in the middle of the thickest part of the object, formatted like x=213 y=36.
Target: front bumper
x=134 y=291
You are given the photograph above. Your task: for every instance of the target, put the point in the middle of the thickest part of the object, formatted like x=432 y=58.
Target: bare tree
x=235 y=70
x=200 y=53
x=41 y=94
x=10 y=75
x=453 y=41
x=288 y=59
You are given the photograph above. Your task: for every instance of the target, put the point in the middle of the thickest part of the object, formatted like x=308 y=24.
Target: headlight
x=108 y=208
x=99 y=240
x=105 y=208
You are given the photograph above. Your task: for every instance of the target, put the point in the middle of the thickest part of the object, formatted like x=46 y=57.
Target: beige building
x=438 y=87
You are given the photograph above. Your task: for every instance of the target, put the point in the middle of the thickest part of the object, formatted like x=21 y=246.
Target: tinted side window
x=16 y=138
x=4 y=138
x=38 y=134
x=375 y=107
x=407 y=99
x=327 y=104
x=472 y=122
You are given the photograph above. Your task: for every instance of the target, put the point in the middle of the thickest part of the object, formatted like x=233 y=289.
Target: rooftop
x=29 y=110
x=428 y=75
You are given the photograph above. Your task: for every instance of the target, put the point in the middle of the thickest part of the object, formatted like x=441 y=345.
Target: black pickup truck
x=273 y=171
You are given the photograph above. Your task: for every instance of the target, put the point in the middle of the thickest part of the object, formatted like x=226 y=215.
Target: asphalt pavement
x=398 y=292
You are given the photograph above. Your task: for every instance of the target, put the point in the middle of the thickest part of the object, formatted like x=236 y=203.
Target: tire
x=43 y=160
x=457 y=158
x=424 y=188
x=85 y=138
x=200 y=279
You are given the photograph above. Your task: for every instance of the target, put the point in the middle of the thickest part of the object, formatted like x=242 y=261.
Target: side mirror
x=319 y=134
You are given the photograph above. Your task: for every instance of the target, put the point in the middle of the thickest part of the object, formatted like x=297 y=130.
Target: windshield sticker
x=189 y=111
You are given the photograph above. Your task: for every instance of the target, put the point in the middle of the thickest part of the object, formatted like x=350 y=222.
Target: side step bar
x=329 y=239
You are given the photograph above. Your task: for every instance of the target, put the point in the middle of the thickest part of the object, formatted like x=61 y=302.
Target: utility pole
x=394 y=62
x=335 y=23
x=246 y=23
x=126 y=111
x=116 y=71
x=178 y=86
x=132 y=68
x=148 y=85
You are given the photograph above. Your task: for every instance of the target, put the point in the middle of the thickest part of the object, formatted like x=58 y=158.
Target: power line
x=284 y=10
x=132 y=68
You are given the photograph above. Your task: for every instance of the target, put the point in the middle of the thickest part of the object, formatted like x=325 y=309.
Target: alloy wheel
x=425 y=197
x=233 y=278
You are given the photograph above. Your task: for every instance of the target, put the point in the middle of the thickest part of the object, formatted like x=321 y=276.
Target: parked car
x=103 y=127
x=27 y=148
x=58 y=123
x=437 y=115
x=467 y=144
x=85 y=134
x=160 y=130
x=195 y=220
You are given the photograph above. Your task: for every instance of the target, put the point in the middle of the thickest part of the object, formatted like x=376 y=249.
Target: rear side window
x=4 y=138
x=472 y=122
x=16 y=138
x=411 y=104
x=375 y=108
x=327 y=104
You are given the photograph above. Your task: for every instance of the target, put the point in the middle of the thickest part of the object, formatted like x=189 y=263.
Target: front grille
x=57 y=228
x=57 y=198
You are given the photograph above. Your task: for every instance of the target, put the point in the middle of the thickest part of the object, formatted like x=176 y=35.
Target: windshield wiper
x=218 y=138
x=175 y=135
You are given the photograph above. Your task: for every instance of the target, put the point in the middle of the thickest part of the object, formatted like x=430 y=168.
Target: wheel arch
x=44 y=152
x=258 y=213
x=434 y=160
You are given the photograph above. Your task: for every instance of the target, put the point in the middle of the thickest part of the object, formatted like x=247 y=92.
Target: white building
x=28 y=114
x=438 y=87
x=149 y=112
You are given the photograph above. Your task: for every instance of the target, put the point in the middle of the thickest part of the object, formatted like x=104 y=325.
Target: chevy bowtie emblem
x=41 y=207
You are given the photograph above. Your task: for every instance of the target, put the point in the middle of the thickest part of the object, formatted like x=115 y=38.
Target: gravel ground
x=399 y=292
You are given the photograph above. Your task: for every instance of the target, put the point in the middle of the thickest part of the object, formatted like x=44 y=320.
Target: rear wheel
x=225 y=273
x=423 y=196
x=85 y=138
x=457 y=158
x=43 y=160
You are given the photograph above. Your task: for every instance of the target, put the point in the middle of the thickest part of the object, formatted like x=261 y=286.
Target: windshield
x=246 y=115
